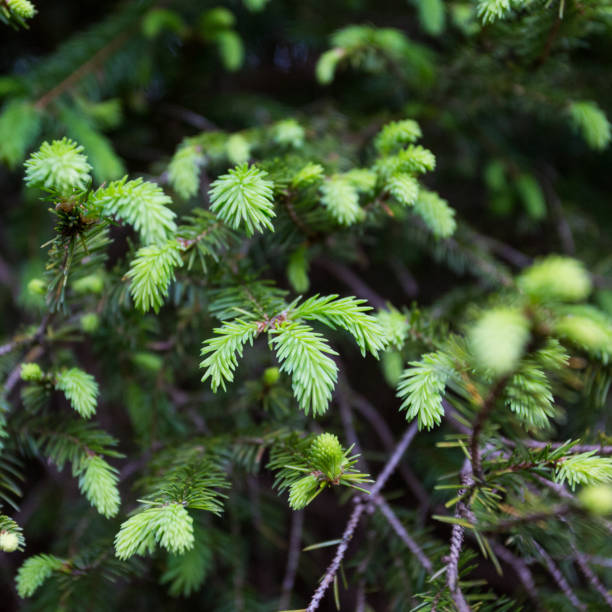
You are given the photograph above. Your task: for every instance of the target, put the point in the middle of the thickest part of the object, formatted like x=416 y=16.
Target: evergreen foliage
x=385 y=230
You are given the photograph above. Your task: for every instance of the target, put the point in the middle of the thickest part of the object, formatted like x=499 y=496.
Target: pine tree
x=322 y=315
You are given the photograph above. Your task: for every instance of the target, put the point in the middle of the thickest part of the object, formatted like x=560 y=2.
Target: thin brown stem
x=559 y=578
x=355 y=517
x=89 y=66
x=295 y=540
x=483 y=417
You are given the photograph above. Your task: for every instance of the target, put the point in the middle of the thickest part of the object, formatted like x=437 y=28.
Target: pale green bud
x=498 y=339
x=37 y=286
x=31 y=372
x=556 y=278
x=8 y=541
x=327 y=455
x=597 y=499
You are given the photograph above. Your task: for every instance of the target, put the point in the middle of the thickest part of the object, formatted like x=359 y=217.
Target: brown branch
x=400 y=530
x=97 y=59
x=350 y=279
x=483 y=417
x=295 y=539
x=456 y=543
x=520 y=569
x=590 y=575
x=355 y=517
x=559 y=578
x=552 y=35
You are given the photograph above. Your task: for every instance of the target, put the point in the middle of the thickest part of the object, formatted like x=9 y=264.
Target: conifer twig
x=400 y=530
x=91 y=64
x=353 y=521
x=520 y=568
x=483 y=416
x=387 y=512
x=456 y=542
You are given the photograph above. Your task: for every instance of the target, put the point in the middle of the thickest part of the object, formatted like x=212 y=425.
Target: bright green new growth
x=92 y=283
x=140 y=203
x=591 y=122
x=404 y=188
x=327 y=455
x=297 y=270
x=326 y=66
x=556 y=278
x=303 y=354
x=80 y=389
x=8 y=541
x=90 y=322
x=498 y=339
x=169 y=526
x=436 y=213
x=303 y=491
x=394 y=325
x=421 y=387
x=184 y=170
x=31 y=372
x=414 y=159
x=98 y=482
x=397 y=134
x=23 y=8
x=221 y=352
x=307 y=466
x=529 y=395
x=492 y=10
x=20 y=124
x=238 y=149
x=341 y=198
x=587 y=329
x=597 y=499
x=309 y=174
x=244 y=197
x=59 y=166
x=289 y=133
x=151 y=273
x=11 y=535
x=350 y=314
x=34 y=571
x=585 y=468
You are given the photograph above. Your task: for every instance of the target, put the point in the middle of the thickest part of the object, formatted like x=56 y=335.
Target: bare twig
x=559 y=578
x=399 y=529
x=483 y=417
x=89 y=66
x=295 y=540
x=591 y=576
x=332 y=570
x=602 y=449
x=384 y=433
x=520 y=569
x=456 y=542
x=351 y=280
x=353 y=521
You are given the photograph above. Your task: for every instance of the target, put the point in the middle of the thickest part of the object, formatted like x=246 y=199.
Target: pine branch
x=355 y=517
